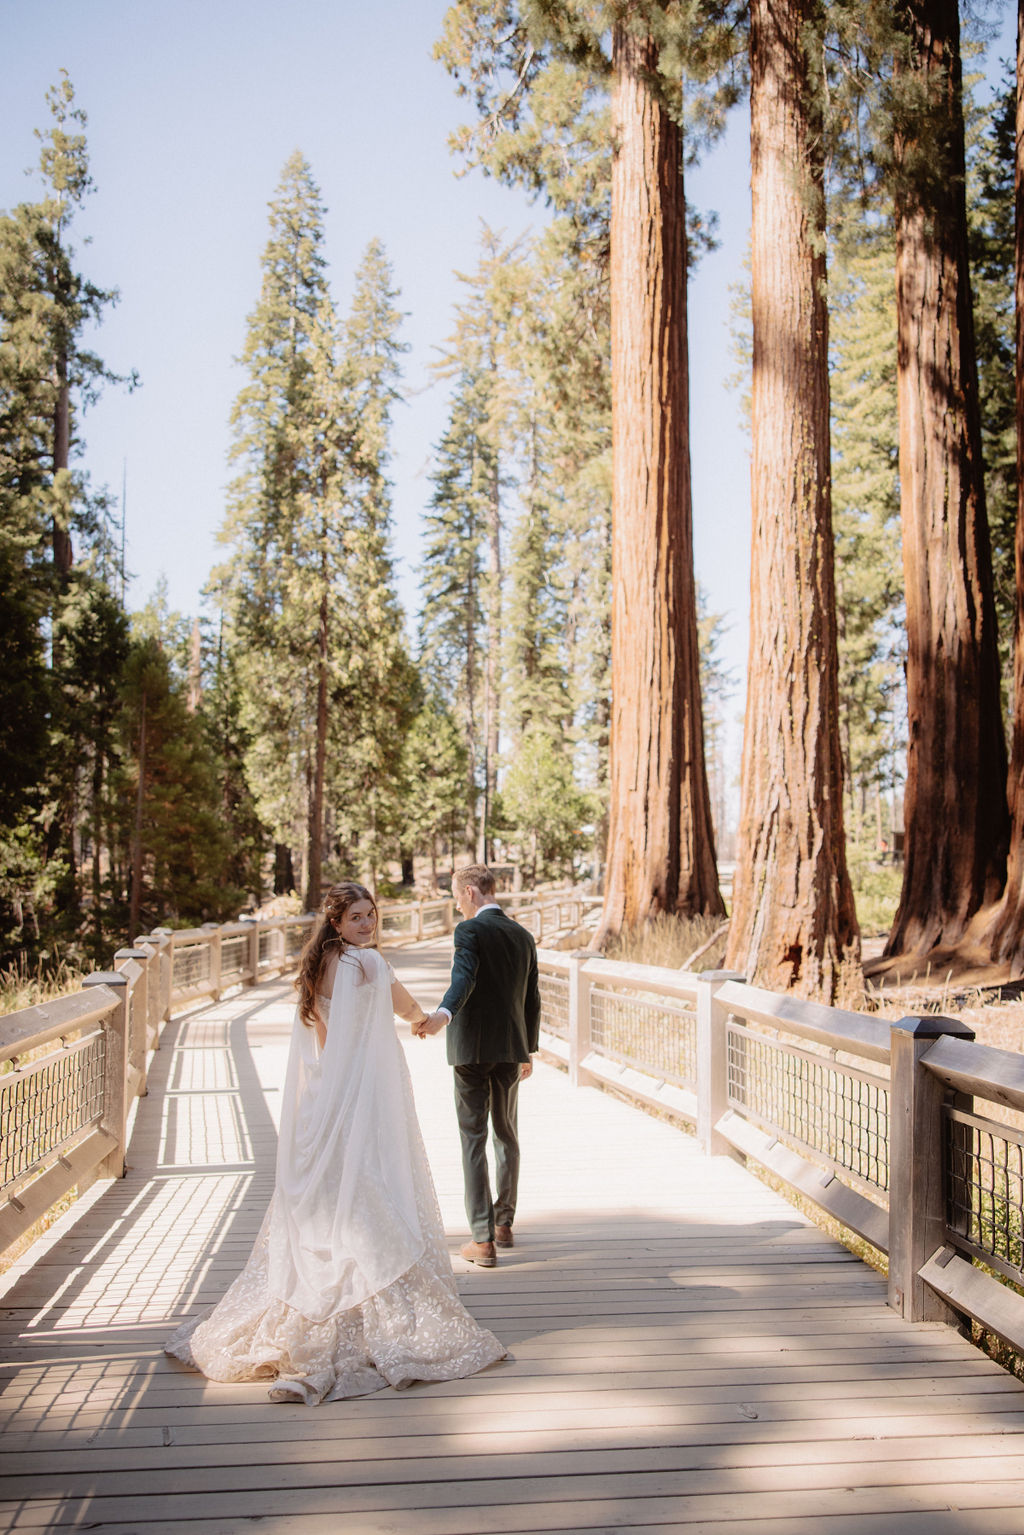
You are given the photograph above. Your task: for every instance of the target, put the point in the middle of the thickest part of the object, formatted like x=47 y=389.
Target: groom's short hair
x=477 y=874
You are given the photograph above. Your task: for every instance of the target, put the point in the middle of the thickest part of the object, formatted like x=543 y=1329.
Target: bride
x=349 y=1286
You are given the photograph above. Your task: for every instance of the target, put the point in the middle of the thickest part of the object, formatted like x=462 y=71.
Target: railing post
x=153 y=968
x=917 y=1191
x=278 y=945
x=138 y=1008
x=212 y=929
x=163 y=937
x=579 y=1019
x=252 y=962
x=712 y=1060
x=115 y=1072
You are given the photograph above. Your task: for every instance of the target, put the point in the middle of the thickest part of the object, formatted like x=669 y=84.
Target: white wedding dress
x=349 y=1286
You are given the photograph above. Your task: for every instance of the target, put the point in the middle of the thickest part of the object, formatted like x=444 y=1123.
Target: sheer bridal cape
x=349 y=1286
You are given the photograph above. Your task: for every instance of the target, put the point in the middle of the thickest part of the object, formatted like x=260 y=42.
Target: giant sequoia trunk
x=660 y=844
x=793 y=922
x=1008 y=935
x=955 y=815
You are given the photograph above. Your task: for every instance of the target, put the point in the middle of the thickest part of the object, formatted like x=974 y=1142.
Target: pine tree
x=378 y=691
x=451 y=625
x=287 y=523
x=434 y=782
x=865 y=505
x=47 y=378
x=174 y=844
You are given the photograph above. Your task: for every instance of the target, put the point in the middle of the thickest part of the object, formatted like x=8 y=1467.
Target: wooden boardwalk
x=689 y=1353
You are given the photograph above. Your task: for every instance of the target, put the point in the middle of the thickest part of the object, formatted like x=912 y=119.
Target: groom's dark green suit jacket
x=494 y=996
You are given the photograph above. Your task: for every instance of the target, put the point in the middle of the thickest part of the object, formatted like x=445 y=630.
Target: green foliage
x=990 y=185
x=325 y=691
x=542 y=810
x=866 y=522
x=434 y=783
x=876 y=888
x=166 y=805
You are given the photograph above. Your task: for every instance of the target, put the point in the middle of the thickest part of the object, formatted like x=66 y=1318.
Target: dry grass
x=21 y=987
x=669 y=941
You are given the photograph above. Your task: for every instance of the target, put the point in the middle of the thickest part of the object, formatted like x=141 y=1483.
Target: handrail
x=871 y=1121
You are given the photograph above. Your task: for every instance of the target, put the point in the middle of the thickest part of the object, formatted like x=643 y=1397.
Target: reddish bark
x=660 y=843
x=1008 y=934
x=793 y=922
x=955 y=815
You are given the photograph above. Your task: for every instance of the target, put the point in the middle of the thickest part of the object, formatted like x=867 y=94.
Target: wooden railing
x=71 y=1069
x=874 y=1122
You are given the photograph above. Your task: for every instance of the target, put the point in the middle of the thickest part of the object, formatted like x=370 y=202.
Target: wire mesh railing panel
x=295 y=935
x=267 y=948
x=836 y=1113
x=652 y=1034
x=554 y=1004
x=46 y=1105
x=435 y=919
x=191 y=965
x=985 y=1191
x=398 y=921
x=233 y=957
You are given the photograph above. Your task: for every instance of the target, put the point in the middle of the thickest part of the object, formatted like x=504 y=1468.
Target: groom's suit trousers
x=488 y=1090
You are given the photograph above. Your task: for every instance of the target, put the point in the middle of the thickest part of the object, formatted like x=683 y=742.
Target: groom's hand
x=432 y=1024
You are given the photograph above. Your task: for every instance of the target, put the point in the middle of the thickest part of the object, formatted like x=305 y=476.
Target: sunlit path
x=689 y=1353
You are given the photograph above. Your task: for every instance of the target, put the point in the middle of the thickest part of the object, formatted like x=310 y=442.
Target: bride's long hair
x=326 y=940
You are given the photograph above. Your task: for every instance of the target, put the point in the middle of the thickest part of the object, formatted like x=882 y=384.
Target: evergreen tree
x=172 y=846
x=434 y=780
x=378 y=691
x=54 y=689
x=793 y=922
x=865 y=506
x=482 y=346
x=451 y=625
x=287 y=524
x=990 y=211
x=543 y=810
x=955 y=813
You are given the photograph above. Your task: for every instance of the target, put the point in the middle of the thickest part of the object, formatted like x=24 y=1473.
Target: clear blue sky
x=193 y=110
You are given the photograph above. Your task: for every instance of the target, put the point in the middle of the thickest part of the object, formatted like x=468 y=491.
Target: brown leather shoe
x=480 y=1253
x=503 y=1236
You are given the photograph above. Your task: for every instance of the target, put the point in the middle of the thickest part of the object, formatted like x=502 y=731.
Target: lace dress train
x=349 y=1287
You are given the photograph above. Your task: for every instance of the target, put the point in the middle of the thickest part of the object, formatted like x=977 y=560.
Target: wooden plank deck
x=689 y=1353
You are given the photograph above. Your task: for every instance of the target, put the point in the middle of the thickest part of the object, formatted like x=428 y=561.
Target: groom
x=492 y=1011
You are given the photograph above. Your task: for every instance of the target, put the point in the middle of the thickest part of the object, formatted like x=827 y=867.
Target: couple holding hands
x=349 y=1286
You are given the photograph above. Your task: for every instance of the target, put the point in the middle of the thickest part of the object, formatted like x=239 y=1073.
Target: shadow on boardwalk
x=689 y=1354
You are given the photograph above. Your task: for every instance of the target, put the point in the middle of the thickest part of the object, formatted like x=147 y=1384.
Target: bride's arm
x=321 y=1030
x=406 y=1005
